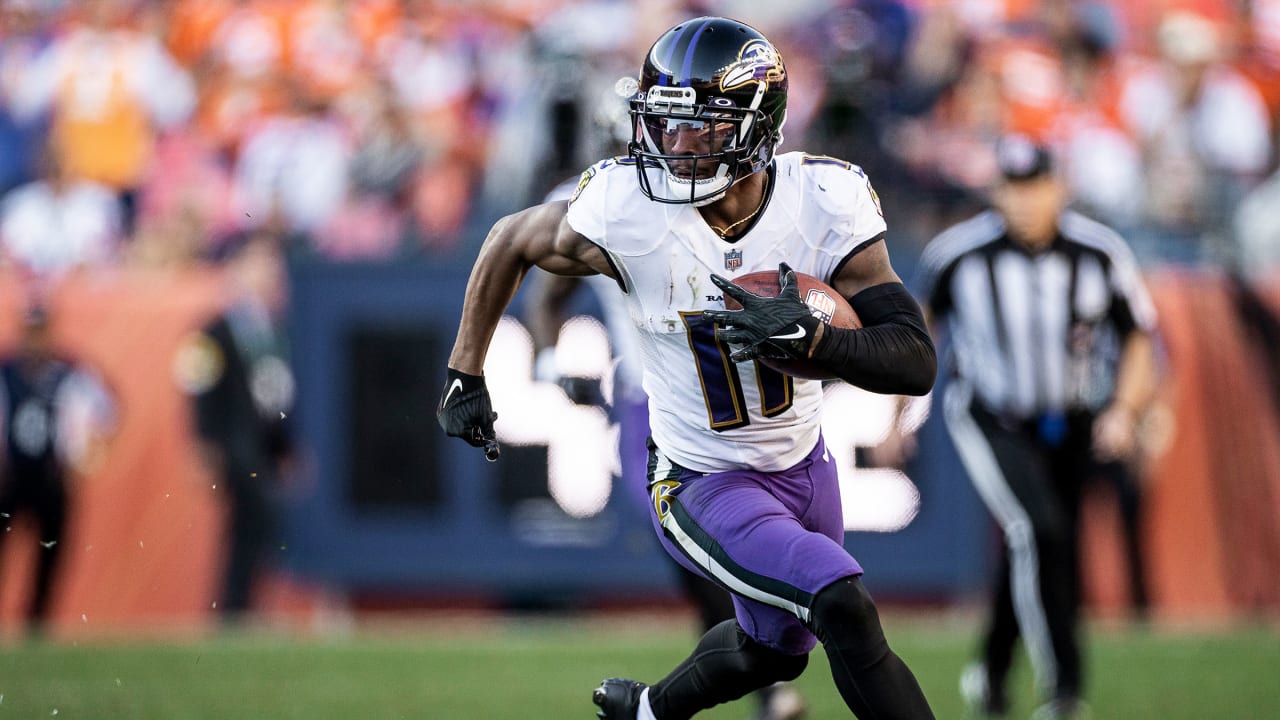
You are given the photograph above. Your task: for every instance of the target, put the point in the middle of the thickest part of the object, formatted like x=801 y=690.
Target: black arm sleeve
x=891 y=354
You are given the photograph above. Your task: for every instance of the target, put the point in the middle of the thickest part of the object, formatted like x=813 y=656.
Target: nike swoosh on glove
x=466 y=412
x=770 y=327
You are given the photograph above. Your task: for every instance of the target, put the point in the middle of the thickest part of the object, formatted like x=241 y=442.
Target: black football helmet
x=725 y=83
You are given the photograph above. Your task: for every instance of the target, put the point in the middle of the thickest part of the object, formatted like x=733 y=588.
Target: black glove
x=766 y=327
x=466 y=412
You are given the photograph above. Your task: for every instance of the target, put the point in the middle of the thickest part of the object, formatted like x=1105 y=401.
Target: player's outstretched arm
x=539 y=236
x=893 y=352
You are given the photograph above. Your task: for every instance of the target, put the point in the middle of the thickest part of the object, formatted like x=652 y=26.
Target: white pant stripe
x=984 y=470
x=703 y=559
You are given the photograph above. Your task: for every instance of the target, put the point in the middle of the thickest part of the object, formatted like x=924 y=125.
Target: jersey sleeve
x=1131 y=305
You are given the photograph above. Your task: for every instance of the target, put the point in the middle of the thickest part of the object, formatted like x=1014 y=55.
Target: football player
x=546 y=305
x=743 y=489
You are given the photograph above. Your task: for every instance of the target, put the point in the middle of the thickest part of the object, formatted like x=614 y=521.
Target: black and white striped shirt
x=1035 y=333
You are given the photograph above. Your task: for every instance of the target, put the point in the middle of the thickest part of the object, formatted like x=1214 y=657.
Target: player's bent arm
x=538 y=236
x=893 y=352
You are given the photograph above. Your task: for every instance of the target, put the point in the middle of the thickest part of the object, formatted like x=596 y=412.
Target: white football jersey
x=707 y=413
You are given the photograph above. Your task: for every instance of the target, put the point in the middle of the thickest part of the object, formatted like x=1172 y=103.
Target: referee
x=1051 y=330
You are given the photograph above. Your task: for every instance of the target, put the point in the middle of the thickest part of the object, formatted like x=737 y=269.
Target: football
x=826 y=303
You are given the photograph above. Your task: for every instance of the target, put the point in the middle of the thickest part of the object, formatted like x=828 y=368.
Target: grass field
x=544 y=669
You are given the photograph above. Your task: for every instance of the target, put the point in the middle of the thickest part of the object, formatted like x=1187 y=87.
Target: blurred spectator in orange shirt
x=242 y=69
x=1031 y=82
x=191 y=27
x=331 y=41
x=110 y=90
x=251 y=40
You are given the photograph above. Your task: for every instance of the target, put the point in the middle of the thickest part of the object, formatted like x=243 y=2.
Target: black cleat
x=618 y=699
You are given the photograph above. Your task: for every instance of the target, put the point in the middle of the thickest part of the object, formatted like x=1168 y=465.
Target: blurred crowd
x=157 y=132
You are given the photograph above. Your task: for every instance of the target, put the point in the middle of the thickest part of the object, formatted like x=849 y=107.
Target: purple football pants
x=772 y=539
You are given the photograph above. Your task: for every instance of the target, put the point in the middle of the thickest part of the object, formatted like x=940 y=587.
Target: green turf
x=539 y=669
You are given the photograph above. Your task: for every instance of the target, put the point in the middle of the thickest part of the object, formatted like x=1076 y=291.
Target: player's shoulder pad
x=602 y=170
x=610 y=210
x=838 y=186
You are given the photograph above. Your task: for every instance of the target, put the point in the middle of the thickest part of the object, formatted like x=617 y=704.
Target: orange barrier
x=1212 y=530
x=144 y=527
x=143 y=545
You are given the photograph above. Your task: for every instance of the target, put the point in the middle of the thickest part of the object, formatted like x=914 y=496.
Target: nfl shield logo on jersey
x=733 y=260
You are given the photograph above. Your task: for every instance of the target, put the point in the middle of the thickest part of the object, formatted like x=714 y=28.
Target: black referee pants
x=45 y=498
x=1030 y=474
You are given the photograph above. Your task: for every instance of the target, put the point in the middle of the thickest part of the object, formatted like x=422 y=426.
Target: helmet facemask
x=702 y=148
x=709 y=111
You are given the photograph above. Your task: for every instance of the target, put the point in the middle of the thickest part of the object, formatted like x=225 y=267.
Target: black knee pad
x=777 y=666
x=749 y=659
x=845 y=619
